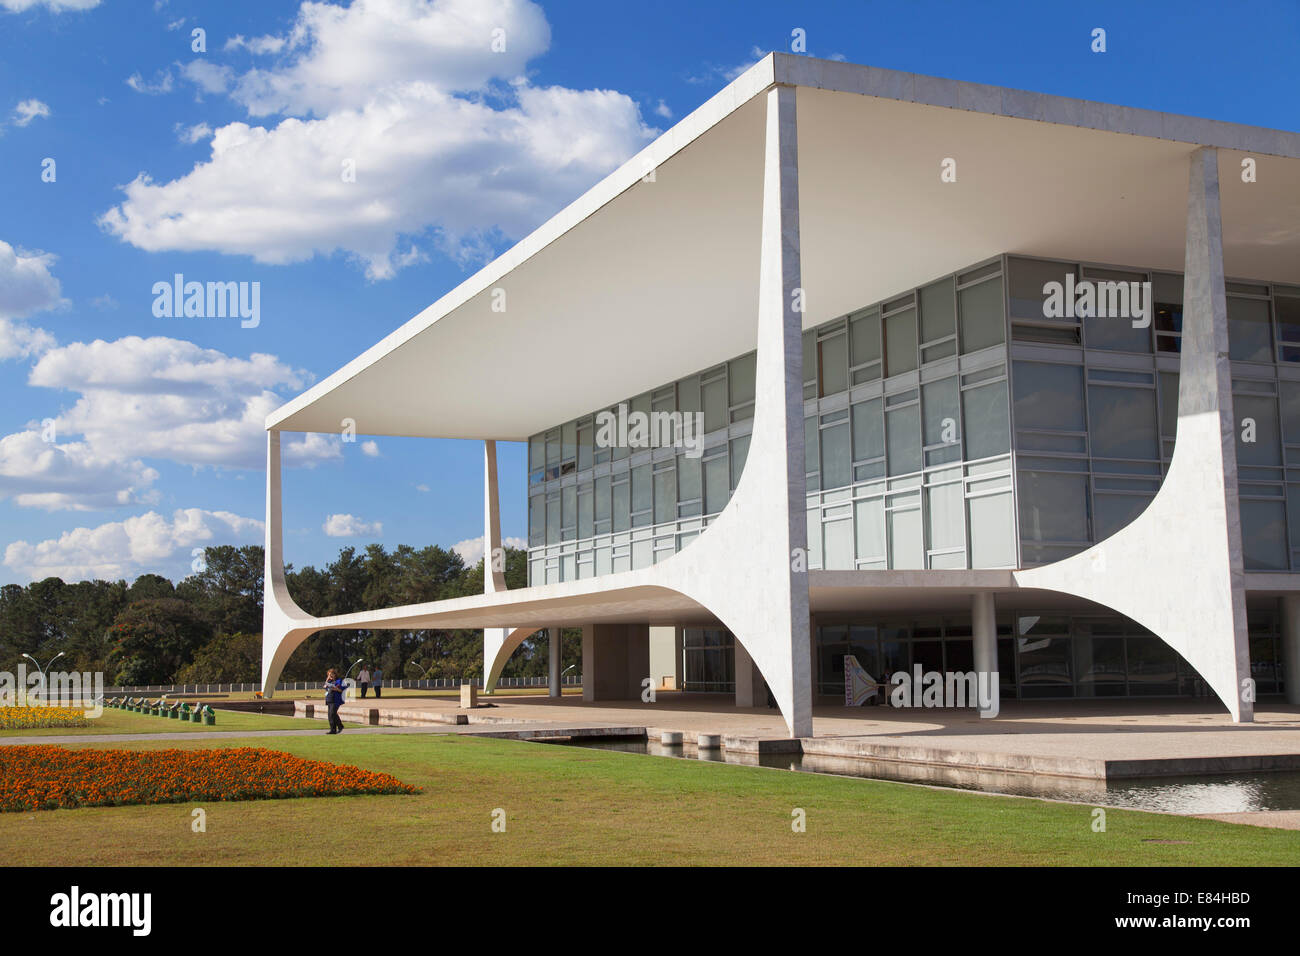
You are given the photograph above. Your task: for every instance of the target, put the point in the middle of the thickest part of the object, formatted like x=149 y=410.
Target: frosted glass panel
x=904 y=429
x=992 y=541
x=870 y=517
x=1048 y=396
x=982 y=322
x=945 y=516
x=900 y=343
x=984 y=412
x=837 y=469
x=839 y=546
x=905 y=539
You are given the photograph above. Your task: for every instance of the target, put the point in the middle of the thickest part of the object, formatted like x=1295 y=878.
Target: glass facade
x=1039 y=655
x=907 y=448
x=1095 y=406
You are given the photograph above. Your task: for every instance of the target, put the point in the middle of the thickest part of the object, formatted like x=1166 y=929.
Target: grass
x=591 y=807
x=113 y=721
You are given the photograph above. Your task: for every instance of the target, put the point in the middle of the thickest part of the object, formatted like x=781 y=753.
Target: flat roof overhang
x=633 y=597
x=638 y=283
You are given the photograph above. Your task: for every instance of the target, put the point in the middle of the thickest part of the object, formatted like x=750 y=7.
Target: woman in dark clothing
x=333 y=698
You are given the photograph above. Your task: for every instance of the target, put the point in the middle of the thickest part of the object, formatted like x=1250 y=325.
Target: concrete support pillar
x=615 y=660
x=556 y=646
x=284 y=624
x=984 y=627
x=1178 y=568
x=494 y=578
x=1291 y=647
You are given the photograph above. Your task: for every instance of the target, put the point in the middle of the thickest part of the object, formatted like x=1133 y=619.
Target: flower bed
x=52 y=778
x=36 y=718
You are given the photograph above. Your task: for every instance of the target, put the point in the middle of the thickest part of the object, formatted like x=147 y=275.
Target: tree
x=154 y=639
x=226 y=659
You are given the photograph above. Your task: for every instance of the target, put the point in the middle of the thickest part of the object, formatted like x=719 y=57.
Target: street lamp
x=425 y=670
x=354 y=664
x=47 y=666
x=44 y=682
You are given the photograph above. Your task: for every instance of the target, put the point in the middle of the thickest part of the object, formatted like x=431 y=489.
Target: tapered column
x=284 y=624
x=494 y=578
x=1177 y=569
x=556 y=647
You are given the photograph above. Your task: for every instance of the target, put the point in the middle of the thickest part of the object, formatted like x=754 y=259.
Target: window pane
x=716 y=485
x=837 y=467
x=1115 y=329
x=868 y=430
x=586 y=512
x=569 y=441
x=1122 y=422
x=642 y=494
x=1249 y=337
x=739 y=450
x=714 y=395
x=1263 y=535
x=1053 y=507
x=688 y=394
x=602 y=499
x=1168 y=404
x=992 y=538
x=688 y=478
x=945 y=517
x=741 y=379
x=1048 y=396
x=982 y=323
x=938 y=311
x=1288 y=317
x=838 y=555
x=864 y=331
x=1116 y=511
x=870 y=517
x=1026 y=281
x=536 y=452
x=665 y=495
x=536 y=520
x=810 y=452
x=834 y=364
x=904 y=431
x=586 y=435
x=939 y=405
x=900 y=342
x=569 y=512
x=905 y=539
x=622 y=504
x=552 y=519
x=984 y=410
x=1261 y=410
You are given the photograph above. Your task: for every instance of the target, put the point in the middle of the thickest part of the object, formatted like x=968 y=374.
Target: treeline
x=207 y=627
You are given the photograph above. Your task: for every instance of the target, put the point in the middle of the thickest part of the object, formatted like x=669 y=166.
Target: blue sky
x=227 y=165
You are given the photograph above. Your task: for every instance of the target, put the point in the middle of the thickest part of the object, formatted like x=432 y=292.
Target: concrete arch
x=498 y=644
x=1177 y=569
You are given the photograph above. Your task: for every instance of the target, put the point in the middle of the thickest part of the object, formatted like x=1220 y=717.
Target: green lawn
x=578 y=806
x=113 y=721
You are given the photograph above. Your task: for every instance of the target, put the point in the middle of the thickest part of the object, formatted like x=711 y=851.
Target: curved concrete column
x=1177 y=568
x=284 y=624
x=498 y=644
x=496 y=640
x=749 y=567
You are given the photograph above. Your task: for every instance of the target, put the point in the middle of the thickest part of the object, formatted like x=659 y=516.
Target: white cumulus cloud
x=124 y=548
x=56 y=476
x=350 y=526
x=403 y=130
x=54 y=6
x=28 y=110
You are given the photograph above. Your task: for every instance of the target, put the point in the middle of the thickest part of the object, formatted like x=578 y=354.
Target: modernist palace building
x=934 y=373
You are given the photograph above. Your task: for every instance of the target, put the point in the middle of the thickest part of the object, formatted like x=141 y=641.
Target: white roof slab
x=637 y=283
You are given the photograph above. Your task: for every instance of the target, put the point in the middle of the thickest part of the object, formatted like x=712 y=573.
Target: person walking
x=377 y=681
x=363 y=680
x=333 y=698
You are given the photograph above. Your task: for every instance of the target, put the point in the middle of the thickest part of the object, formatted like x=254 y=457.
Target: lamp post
x=42 y=670
x=424 y=669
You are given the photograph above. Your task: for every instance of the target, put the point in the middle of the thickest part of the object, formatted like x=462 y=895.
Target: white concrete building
x=985 y=379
